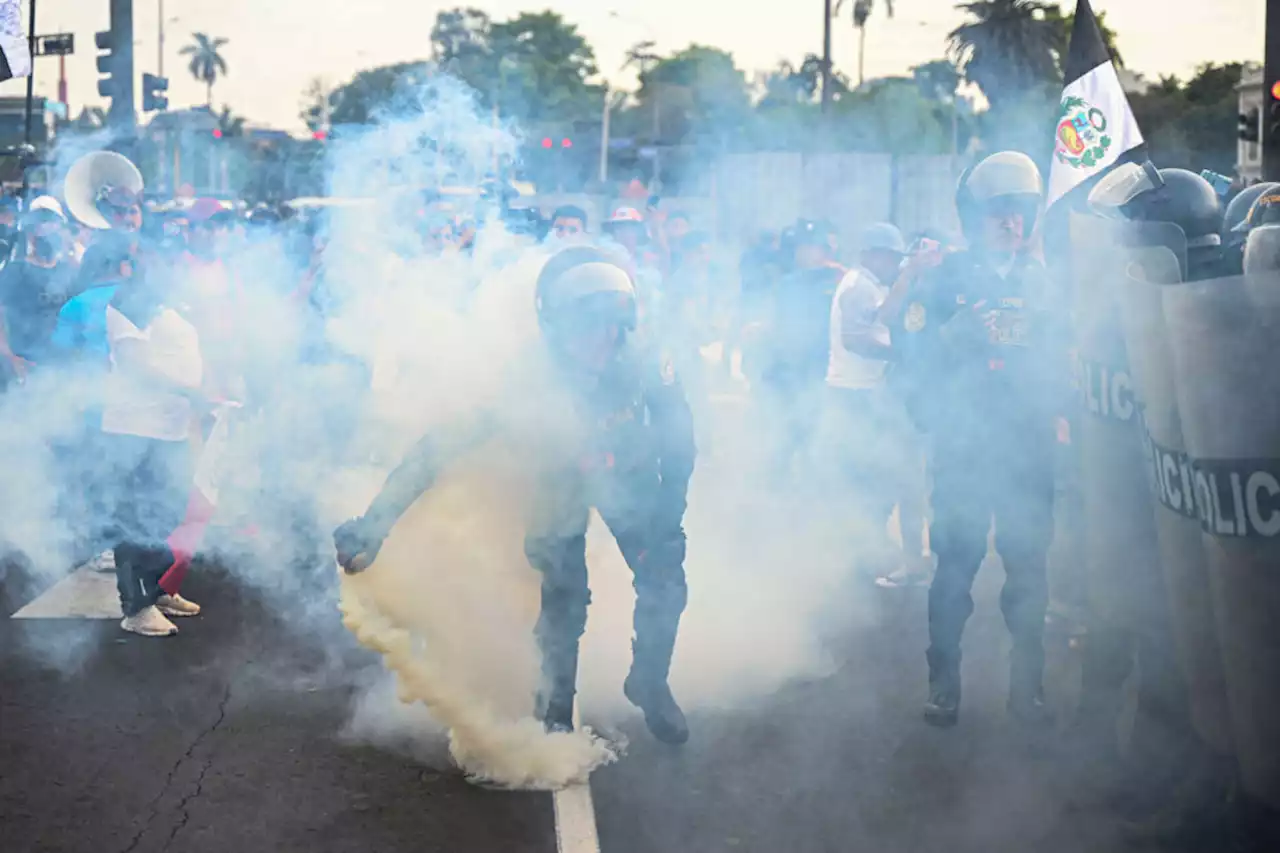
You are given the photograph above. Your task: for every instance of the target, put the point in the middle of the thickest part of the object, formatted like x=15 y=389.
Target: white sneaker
x=176 y=605
x=149 y=622
x=104 y=562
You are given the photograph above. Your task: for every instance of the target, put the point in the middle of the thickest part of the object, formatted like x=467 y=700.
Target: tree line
x=996 y=84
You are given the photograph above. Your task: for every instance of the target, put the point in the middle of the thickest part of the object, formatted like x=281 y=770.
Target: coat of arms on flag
x=15 y=51
x=1095 y=126
x=1082 y=140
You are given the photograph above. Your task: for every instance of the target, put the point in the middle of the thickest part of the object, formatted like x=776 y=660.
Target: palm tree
x=207 y=64
x=862 y=10
x=1009 y=47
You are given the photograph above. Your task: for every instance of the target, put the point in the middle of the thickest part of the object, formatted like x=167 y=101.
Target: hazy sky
x=277 y=46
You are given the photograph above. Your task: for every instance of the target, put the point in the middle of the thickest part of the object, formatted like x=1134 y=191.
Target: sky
x=278 y=46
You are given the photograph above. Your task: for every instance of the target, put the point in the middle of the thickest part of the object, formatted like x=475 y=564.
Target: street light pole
x=826 y=55
x=31 y=78
x=160 y=49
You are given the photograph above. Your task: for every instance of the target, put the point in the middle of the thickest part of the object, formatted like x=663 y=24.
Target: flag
x=15 y=51
x=1096 y=126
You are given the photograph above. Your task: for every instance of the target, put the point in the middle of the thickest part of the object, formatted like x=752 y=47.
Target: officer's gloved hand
x=357 y=544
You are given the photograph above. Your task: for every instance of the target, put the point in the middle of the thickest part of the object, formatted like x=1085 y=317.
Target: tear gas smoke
x=417 y=338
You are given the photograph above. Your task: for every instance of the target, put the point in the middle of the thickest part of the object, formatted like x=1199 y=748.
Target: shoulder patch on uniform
x=915 y=318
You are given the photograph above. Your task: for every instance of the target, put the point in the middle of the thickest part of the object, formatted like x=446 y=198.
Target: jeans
x=153 y=483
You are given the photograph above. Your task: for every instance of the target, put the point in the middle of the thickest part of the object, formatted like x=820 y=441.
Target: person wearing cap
x=626 y=236
x=883 y=459
x=986 y=383
x=615 y=434
x=795 y=343
x=34 y=287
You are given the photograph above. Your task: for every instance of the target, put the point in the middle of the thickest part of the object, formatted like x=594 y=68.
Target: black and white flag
x=1095 y=126
x=15 y=51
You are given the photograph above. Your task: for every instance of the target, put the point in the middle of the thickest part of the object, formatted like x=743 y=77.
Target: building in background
x=1252 y=107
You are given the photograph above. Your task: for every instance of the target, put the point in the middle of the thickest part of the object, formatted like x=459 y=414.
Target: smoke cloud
x=419 y=339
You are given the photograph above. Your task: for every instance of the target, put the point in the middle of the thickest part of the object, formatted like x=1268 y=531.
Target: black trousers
x=646 y=520
x=1013 y=484
x=153 y=487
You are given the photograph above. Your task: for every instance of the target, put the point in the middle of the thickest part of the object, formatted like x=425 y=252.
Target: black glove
x=357 y=545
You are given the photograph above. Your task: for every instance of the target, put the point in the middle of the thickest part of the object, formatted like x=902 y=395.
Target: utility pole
x=160 y=49
x=31 y=77
x=1271 y=96
x=826 y=55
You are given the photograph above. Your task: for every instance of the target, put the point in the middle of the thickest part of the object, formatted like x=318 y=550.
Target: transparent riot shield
x=1121 y=557
x=1194 y=607
x=1224 y=337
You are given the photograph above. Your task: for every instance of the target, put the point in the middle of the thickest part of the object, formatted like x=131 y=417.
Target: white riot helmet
x=1007 y=178
x=580 y=281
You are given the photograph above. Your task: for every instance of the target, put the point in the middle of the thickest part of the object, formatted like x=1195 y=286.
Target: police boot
x=554 y=702
x=943 y=708
x=646 y=687
x=1026 y=693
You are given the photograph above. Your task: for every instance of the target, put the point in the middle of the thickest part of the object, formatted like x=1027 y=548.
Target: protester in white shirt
x=149 y=418
x=883 y=459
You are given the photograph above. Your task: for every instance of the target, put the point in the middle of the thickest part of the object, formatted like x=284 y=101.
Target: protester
x=883 y=458
x=33 y=289
x=569 y=224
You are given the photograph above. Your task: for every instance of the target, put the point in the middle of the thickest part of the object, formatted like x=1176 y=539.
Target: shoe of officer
x=943 y=707
x=661 y=713
x=554 y=710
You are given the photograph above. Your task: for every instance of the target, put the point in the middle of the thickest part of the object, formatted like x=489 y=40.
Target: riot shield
x=1193 y=606
x=1224 y=336
x=1121 y=557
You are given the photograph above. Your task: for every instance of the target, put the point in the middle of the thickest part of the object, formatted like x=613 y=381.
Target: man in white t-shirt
x=148 y=419
x=883 y=461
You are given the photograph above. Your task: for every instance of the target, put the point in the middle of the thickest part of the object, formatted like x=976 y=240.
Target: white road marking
x=84 y=594
x=575 y=813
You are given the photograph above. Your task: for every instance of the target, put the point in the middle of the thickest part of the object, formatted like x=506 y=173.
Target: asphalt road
x=223 y=739
x=228 y=738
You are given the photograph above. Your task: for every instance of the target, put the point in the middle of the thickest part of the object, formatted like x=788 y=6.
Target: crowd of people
x=941 y=365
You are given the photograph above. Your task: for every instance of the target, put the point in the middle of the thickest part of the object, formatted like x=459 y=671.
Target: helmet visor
x=1121 y=186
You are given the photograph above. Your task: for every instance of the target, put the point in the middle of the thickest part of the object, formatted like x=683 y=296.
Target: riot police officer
x=1182 y=731
x=625 y=448
x=976 y=344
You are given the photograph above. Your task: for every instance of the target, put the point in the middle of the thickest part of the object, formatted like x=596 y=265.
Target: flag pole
x=31 y=78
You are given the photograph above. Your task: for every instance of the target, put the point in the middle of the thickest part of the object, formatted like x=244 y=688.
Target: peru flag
x=15 y=50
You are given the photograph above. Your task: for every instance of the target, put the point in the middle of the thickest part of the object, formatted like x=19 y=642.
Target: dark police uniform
x=630 y=455
x=797 y=353
x=979 y=380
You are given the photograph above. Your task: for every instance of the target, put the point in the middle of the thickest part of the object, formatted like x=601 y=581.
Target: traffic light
x=153 y=89
x=116 y=63
x=1251 y=126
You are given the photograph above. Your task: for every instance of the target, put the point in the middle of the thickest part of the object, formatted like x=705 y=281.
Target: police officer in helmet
x=978 y=355
x=630 y=454
x=1139 y=192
